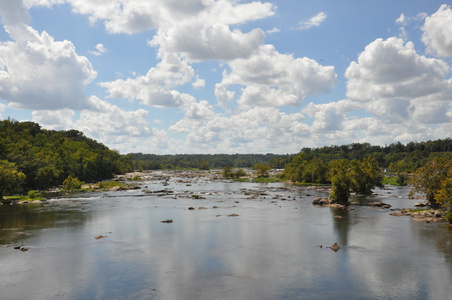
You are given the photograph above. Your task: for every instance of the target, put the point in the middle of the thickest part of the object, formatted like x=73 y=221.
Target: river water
x=248 y=241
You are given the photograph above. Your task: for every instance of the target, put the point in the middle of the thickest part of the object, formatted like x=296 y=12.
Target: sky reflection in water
x=269 y=251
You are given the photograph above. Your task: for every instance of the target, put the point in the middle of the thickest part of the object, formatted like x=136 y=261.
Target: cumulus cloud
x=198 y=41
x=13 y=12
x=392 y=68
x=331 y=116
x=60 y=119
x=315 y=21
x=398 y=83
x=437 y=30
x=40 y=73
x=106 y=123
x=156 y=87
x=274 y=79
x=133 y=16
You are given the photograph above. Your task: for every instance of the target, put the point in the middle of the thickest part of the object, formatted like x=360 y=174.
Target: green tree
x=262 y=170
x=432 y=177
x=227 y=172
x=340 y=181
x=444 y=195
x=365 y=175
x=72 y=184
x=10 y=178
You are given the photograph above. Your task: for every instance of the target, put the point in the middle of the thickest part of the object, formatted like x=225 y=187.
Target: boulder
x=335 y=247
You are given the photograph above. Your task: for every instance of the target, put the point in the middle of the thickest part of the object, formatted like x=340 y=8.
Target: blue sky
x=225 y=76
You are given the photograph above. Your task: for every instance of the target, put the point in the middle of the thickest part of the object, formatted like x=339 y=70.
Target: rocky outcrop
x=428 y=215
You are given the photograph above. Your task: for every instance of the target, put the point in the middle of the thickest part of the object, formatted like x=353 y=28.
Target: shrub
x=72 y=184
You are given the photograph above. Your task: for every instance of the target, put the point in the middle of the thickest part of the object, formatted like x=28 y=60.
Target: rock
x=379 y=204
x=191 y=208
x=167 y=221
x=421 y=204
x=335 y=247
x=202 y=207
x=100 y=237
x=233 y=215
x=321 y=201
x=24 y=249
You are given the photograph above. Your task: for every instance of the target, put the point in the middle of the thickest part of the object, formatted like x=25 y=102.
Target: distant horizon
x=229 y=77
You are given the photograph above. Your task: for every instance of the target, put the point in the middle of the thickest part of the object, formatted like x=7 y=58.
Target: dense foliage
x=206 y=161
x=434 y=179
x=47 y=157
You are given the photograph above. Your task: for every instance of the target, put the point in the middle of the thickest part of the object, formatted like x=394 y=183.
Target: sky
x=229 y=76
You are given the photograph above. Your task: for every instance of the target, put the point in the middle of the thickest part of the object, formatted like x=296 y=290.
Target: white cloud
x=13 y=12
x=331 y=116
x=399 y=85
x=391 y=69
x=401 y=19
x=224 y=97
x=437 y=34
x=40 y=73
x=273 y=30
x=274 y=79
x=315 y=21
x=60 y=119
x=2 y=109
x=199 y=41
x=156 y=87
x=100 y=49
x=199 y=83
x=131 y=16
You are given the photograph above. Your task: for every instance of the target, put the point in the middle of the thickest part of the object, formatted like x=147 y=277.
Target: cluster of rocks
x=325 y=202
x=428 y=215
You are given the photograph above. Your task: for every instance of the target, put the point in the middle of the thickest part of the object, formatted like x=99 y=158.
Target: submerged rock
x=167 y=221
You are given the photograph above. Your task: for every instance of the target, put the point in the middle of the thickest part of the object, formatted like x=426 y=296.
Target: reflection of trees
x=442 y=238
x=14 y=219
x=341 y=222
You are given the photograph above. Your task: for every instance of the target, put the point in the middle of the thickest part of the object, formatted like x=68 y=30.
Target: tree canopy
x=48 y=157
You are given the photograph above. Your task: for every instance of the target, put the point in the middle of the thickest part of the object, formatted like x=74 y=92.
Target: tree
x=72 y=184
x=340 y=181
x=227 y=172
x=365 y=175
x=444 y=195
x=10 y=178
x=262 y=170
x=432 y=177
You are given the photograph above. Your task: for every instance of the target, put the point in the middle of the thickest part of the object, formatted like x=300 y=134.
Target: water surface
x=262 y=241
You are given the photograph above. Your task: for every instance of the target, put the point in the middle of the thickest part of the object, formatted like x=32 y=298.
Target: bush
x=34 y=195
x=448 y=216
x=72 y=184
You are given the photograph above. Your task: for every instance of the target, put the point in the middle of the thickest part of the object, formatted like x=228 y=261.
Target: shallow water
x=270 y=250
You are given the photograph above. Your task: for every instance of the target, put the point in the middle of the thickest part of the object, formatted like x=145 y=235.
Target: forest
x=35 y=158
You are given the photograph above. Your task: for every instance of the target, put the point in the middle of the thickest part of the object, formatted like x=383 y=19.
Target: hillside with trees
x=35 y=158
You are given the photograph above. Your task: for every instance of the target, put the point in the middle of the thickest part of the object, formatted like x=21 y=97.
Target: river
x=241 y=241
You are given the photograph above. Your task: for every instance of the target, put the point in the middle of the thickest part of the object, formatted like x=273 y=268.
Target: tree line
x=35 y=158
x=359 y=168
x=205 y=161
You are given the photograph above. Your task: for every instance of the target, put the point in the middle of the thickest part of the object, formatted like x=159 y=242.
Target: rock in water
x=335 y=247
